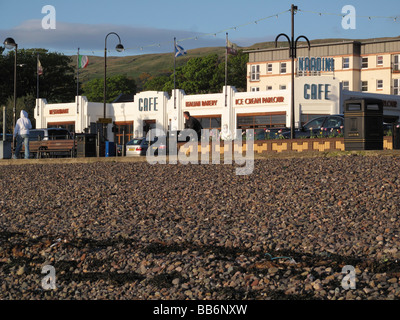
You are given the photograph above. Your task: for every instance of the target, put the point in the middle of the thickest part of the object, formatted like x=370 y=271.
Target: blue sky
x=150 y=26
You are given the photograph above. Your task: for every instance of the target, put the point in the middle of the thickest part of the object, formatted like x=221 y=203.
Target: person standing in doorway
x=21 y=132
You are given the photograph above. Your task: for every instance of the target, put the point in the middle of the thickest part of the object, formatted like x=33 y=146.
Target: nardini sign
x=315 y=64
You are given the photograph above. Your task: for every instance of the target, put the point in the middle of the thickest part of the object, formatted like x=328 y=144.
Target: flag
x=179 y=51
x=83 y=61
x=39 y=67
x=231 y=47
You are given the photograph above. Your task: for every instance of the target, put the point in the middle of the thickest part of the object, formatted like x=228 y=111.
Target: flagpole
x=77 y=83
x=226 y=59
x=174 y=72
x=37 y=76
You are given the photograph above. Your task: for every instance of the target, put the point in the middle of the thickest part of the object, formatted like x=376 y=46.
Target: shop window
x=123 y=132
x=210 y=122
x=70 y=126
x=261 y=121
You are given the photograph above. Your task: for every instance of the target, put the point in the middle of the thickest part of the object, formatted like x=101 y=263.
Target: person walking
x=193 y=123
x=21 y=132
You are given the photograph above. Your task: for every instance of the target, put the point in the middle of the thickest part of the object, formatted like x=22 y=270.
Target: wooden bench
x=51 y=147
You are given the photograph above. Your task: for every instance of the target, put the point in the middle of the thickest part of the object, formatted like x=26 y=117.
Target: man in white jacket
x=21 y=132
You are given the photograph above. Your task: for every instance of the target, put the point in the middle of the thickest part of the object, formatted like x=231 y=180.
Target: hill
x=134 y=66
x=163 y=63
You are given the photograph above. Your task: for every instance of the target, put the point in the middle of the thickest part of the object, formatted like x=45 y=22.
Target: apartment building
x=371 y=66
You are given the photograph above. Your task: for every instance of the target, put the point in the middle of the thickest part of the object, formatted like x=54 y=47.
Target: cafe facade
x=230 y=109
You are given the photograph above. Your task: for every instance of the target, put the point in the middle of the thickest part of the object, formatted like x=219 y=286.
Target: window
x=210 y=122
x=346 y=85
x=314 y=124
x=364 y=85
x=364 y=62
x=346 y=63
x=283 y=67
x=282 y=87
x=379 y=60
x=379 y=84
x=334 y=122
x=396 y=62
x=255 y=73
x=123 y=132
x=304 y=118
x=254 y=89
x=269 y=67
x=261 y=121
x=269 y=88
x=396 y=86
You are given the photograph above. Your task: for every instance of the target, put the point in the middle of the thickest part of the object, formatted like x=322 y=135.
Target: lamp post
x=292 y=54
x=119 y=48
x=9 y=43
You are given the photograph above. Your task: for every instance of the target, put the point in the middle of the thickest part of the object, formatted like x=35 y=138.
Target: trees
x=94 y=89
x=204 y=75
x=57 y=84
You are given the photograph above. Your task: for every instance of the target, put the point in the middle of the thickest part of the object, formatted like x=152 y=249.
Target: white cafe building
x=325 y=77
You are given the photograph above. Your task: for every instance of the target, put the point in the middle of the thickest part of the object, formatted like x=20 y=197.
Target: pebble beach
x=134 y=231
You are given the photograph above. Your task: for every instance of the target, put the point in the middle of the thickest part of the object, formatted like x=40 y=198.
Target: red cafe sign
x=59 y=111
x=204 y=103
x=250 y=101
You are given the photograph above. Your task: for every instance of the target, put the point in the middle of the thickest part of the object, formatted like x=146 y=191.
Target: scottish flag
x=179 y=51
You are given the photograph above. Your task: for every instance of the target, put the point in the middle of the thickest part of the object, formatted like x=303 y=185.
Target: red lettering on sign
x=59 y=111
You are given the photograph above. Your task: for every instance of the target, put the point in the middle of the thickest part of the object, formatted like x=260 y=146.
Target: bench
x=51 y=147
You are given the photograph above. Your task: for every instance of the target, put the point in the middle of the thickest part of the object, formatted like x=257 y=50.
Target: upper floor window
x=379 y=60
x=364 y=62
x=255 y=72
x=283 y=67
x=364 y=85
x=379 y=84
x=269 y=67
x=346 y=63
x=396 y=62
x=396 y=86
x=346 y=85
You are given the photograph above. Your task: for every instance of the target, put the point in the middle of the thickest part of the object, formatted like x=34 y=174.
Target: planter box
x=289 y=145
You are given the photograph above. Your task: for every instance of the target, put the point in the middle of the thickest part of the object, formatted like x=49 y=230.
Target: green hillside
x=163 y=63
x=134 y=66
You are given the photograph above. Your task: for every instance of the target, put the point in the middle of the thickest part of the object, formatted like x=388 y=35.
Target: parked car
x=139 y=147
x=326 y=126
x=269 y=133
x=49 y=134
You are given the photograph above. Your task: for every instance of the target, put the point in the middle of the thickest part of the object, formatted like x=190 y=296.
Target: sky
x=150 y=26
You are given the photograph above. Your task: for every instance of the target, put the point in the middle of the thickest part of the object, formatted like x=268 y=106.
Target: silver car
x=137 y=147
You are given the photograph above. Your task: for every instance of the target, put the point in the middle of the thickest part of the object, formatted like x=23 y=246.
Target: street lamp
x=292 y=54
x=119 y=48
x=9 y=43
